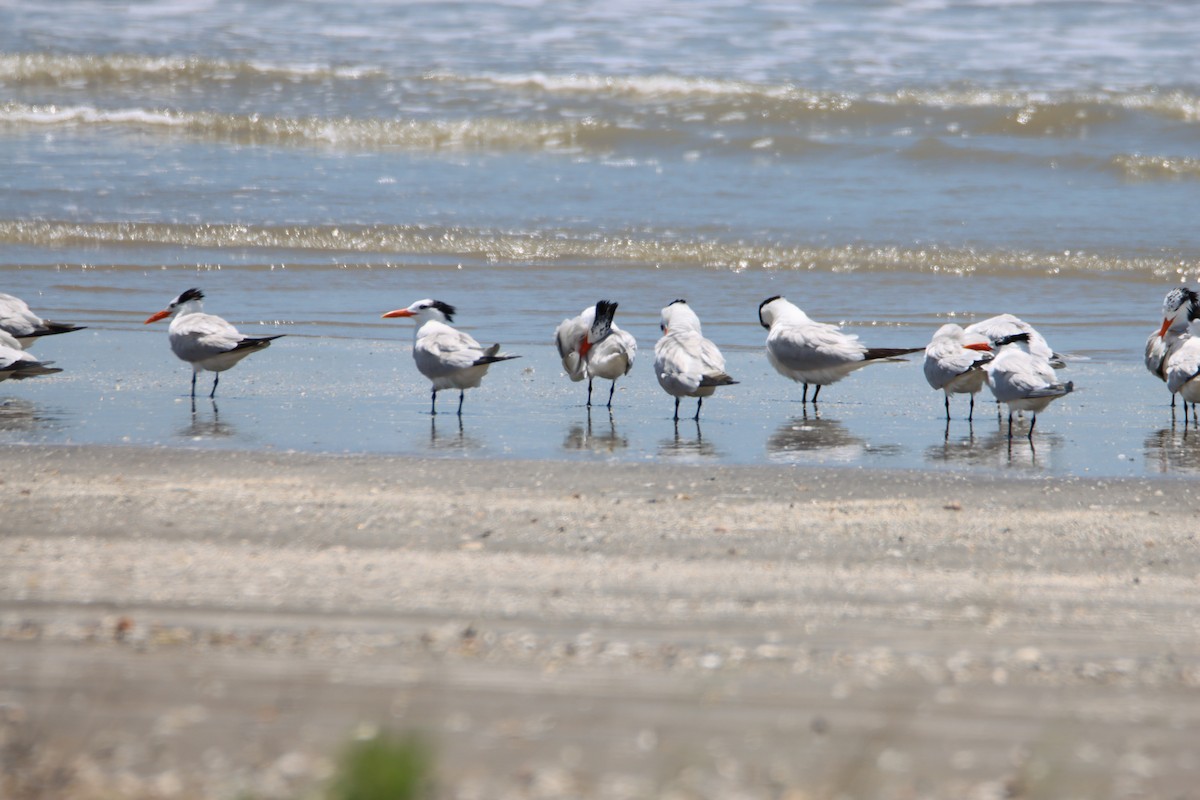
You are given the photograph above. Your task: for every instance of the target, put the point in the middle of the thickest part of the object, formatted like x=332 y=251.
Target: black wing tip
x=257 y=342
x=494 y=359
x=53 y=328
x=874 y=353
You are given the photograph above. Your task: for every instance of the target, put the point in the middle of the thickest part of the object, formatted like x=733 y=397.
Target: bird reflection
x=207 y=425
x=810 y=438
x=683 y=446
x=1174 y=449
x=604 y=440
x=992 y=449
x=19 y=415
x=452 y=437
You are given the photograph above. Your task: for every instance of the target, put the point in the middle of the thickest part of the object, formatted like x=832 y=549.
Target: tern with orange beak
x=592 y=346
x=954 y=363
x=19 y=321
x=450 y=358
x=1180 y=307
x=814 y=352
x=685 y=363
x=1003 y=326
x=206 y=341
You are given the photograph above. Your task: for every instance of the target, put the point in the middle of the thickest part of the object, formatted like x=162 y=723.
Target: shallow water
x=343 y=379
x=887 y=166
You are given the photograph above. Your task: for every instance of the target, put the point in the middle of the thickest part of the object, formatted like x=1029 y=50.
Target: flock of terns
x=1004 y=352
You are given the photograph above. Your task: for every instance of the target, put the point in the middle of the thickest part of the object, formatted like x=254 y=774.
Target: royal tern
x=206 y=341
x=954 y=363
x=815 y=352
x=17 y=320
x=1024 y=381
x=1003 y=326
x=1180 y=307
x=592 y=346
x=450 y=358
x=15 y=363
x=1183 y=368
x=685 y=363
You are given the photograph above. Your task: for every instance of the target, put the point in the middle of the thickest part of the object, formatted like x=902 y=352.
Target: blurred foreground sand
x=209 y=624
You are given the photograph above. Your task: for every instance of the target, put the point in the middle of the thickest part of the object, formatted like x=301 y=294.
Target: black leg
x=804 y=396
x=460 y=399
x=589 y=405
x=216 y=379
x=611 y=389
x=699 y=403
x=1010 y=424
x=1032 y=422
x=433 y=404
x=817 y=392
x=947 y=406
x=193 y=384
x=677 y=409
x=971 y=414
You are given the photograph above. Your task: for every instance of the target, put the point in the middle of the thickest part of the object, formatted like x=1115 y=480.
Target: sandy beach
x=198 y=624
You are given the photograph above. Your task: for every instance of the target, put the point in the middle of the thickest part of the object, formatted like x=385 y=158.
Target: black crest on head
x=761 y=321
x=189 y=295
x=1193 y=303
x=446 y=309
x=1016 y=337
x=1179 y=297
x=680 y=300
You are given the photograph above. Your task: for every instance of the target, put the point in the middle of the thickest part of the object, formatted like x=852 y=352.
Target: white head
x=424 y=311
x=1180 y=306
x=186 y=303
x=678 y=316
x=949 y=331
x=776 y=308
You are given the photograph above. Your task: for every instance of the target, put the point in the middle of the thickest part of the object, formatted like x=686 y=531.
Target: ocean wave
x=1019 y=111
x=1027 y=110
x=45 y=69
x=489 y=133
x=1147 y=168
x=571 y=249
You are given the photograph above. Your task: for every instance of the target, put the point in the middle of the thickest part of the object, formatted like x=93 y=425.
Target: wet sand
x=183 y=623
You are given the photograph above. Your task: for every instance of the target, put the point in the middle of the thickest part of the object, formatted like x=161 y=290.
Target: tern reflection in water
x=993 y=449
x=203 y=425
x=1173 y=449
x=813 y=439
x=452 y=437
x=601 y=439
x=19 y=415
x=683 y=446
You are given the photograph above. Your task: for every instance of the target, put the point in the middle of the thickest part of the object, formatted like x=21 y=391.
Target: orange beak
x=157 y=317
x=401 y=312
x=1163 y=330
x=982 y=346
x=584 y=346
